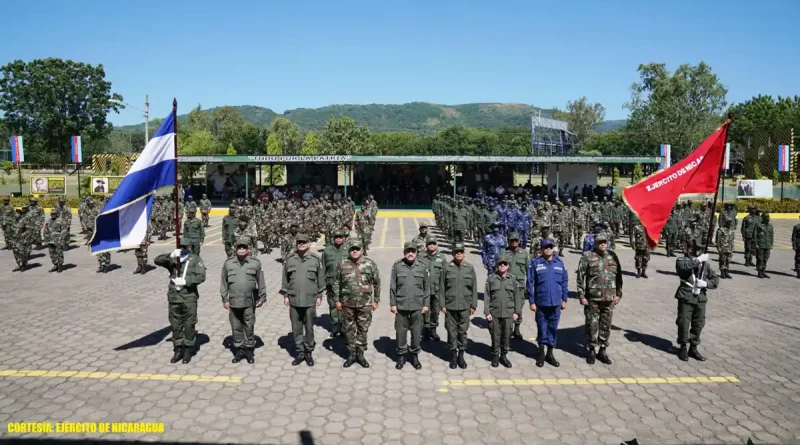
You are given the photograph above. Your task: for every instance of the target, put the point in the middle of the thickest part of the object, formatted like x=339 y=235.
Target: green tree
x=397 y=143
x=638 y=174
x=583 y=117
x=343 y=137
x=310 y=144
x=756 y=171
x=197 y=120
x=51 y=99
x=615 y=177
x=288 y=135
x=227 y=126
x=680 y=109
x=776 y=176
x=231 y=150
x=274 y=145
x=198 y=143
x=606 y=144
x=274 y=173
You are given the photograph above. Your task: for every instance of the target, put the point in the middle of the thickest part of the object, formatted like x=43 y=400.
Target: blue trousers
x=523 y=238
x=547 y=324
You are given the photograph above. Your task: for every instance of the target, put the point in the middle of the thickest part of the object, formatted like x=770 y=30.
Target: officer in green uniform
x=764 y=240
x=230 y=222
x=749 y=235
x=518 y=261
x=697 y=277
x=334 y=254
x=186 y=272
x=460 y=290
x=502 y=306
x=436 y=264
x=302 y=287
x=193 y=231
x=243 y=290
x=796 y=247
x=409 y=299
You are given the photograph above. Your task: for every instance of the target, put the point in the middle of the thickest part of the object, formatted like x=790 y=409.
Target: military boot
x=454 y=360
x=764 y=274
x=299 y=358
x=361 y=360
x=178 y=353
x=53 y=269
x=590 y=356
x=350 y=360
x=461 y=362
x=435 y=336
x=144 y=269
x=516 y=334
x=250 y=356
x=540 y=357
x=504 y=359
x=309 y=359
x=401 y=361
x=683 y=354
x=238 y=356
x=426 y=334
x=798 y=271
x=695 y=354
x=60 y=268
x=760 y=274
x=104 y=269
x=495 y=360
x=99 y=269
x=138 y=269
x=550 y=358
x=415 y=362
x=644 y=273
x=638 y=273
x=187 y=354
x=603 y=357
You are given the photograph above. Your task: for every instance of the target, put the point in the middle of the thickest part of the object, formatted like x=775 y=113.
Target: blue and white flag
x=122 y=224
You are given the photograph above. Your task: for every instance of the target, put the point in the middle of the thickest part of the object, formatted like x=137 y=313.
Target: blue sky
x=285 y=55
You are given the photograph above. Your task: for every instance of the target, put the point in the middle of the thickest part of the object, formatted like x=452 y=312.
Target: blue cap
x=547 y=242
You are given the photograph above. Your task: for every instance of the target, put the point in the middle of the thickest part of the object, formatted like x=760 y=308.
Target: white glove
x=175 y=253
x=702 y=284
x=703 y=258
x=179 y=281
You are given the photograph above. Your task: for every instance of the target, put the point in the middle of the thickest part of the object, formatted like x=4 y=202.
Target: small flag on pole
x=784 y=153
x=666 y=156
x=17 y=150
x=77 y=152
x=726 y=163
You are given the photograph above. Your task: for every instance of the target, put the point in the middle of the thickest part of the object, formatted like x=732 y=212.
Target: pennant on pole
x=726 y=163
x=653 y=198
x=784 y=154
x=666 y=156
x=77 y=149
x=17 y=150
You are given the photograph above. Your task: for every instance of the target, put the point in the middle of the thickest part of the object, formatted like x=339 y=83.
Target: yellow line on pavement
x=595 y=381
x=402 y=233
x=119 y=375
x=383 y=232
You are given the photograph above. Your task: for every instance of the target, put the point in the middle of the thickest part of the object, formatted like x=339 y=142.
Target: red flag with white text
x=653 y=198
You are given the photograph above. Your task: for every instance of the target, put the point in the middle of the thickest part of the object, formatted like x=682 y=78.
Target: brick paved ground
x=100 y=342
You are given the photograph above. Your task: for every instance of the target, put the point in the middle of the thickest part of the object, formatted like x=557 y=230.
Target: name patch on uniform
x=541 y=267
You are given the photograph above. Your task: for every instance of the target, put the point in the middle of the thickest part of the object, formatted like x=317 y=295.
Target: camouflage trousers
x=104 y=259
x=670 y=241
x=6 y=237
x=725 y=260
x=141 y=255
x=560 y=242
x=204 y=218
x=356 y=325
x=336 y=314
x=22 y=252
x=56 y=254
x=229 y=249
x=749 y=248
x=577 y=233
x=641 y=258
x=691 y=319
x=762 y=256
x=598 y=315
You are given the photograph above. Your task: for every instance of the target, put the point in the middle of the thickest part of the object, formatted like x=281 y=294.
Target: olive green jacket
x=303 y=279
x=242 y=282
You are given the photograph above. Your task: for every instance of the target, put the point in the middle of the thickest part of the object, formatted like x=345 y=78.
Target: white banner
x=752 y=188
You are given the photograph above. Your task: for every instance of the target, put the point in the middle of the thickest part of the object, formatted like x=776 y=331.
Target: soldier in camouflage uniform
x=141 y=252
x=245 y=230
x=193 y=230
x=364 y=229
x=725 y=238
x=578 y=222
x=229 y=224
x=518 y=260
x=642 y=255
x=56 y=235
x=36 y=214
x=331 y=257
x=357 y=292
x=419 y=240
x=82 y=212
x=670 y=232
x=205 y=209
x=599 y=285
x=103 y=259
x=22 y=235
x=7 y=221
x=287 y=243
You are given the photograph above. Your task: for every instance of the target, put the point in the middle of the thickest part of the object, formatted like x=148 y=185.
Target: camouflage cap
x=244 y=218
x=600 y=238
x=425 y=225
x=431 y=240
x=458 y=247
x=354 y=244
x=301 y=238
x=340 y=233
x=410 y=245
x=513 y=235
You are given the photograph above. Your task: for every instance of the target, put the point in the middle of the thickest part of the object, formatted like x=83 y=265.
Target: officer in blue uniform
x=524 y=225
x=547 y=293
x=491 y=247
x=588 y=240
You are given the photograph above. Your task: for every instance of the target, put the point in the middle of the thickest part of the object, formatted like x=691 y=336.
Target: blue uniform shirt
x=547 y=282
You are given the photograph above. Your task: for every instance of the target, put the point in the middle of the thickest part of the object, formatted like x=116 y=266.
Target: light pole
x=146 y=112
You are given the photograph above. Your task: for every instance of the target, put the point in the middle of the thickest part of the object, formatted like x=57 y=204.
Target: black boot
x=238 y=356
x=551 y=359
x=299 y=358
x=144 y=269
x=760 y=273
x=454 y=360
x=603 y=357
x=250 y=355
x=401 y=361
x=504 y=360
x=695 y=354
x=540 y=357
x=683 y=354
x=644 y=273
x=495 y=360
x=435 y=336
x=138 y=269
x=99 y=269
x=350 y=360
x=187 y=354
x=415 y=362
x=361 y=360
x=104 y=269
x=516 y=334
x=53 y=269
x=590 y=356
x=309 y=359
x=177 y=354
x=638 y=273
x=764 y=274
x=461 y=362
x=60 y=268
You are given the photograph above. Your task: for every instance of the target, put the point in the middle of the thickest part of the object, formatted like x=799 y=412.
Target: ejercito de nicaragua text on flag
x=653 y=198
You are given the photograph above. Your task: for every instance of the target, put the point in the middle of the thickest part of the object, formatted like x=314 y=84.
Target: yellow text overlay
x=84 y=427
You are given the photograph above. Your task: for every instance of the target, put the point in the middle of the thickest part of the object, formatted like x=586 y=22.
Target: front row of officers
x=422 y=285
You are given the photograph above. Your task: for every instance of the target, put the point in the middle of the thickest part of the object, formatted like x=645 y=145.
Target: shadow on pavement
x=666 y=272
x=324 y=321
x=436 y=348
x=481 y=350
x=386 y=346
x=572 y=340
x=150 y=339
x=336 y=345
x=227 y=342
x=658 y=343
x=480 y=323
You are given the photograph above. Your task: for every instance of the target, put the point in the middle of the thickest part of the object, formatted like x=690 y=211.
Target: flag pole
x=175 y=188
x=719 y=180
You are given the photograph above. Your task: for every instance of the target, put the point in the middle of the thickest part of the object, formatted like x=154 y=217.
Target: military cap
x=355 y=244
x=301 y=238
x=340 y=233
x=513 y=235
x=547 y=242
x=425 y=225
x=294 y=225
x=410 y=245
x=600 y=238
x=244 y=218
x=458 y=247
x=765 y=214
x=431 y=240
x=33 y=199
x=232 y=206
x=502 y=259
x=243 y=241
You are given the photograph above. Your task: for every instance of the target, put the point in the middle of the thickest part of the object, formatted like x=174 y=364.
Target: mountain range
x=415 y=117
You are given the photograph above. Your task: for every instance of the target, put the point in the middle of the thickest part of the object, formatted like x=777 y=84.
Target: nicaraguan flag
x=122 y=224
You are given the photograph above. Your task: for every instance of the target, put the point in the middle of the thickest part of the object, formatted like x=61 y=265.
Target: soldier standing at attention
x=796 y=247
x=357 y=291
x=518 y=260
x=141 y=252
x=460 y=289
x=409 y=300
x=435 y=267
x=696 y=277
x=36 y=213
x=419 y=240
x=55 y=235
x=334 y=254
x=243 y=290
x=22 y=235
x=764 y=240
x=502 y=306
x=547 y=291
x=671 y=229
x=302 y=286
x=725 y=238
x=7 y=221
x=205 y=209
x=193 y=230
x=599 y=289
x=748 y=235
x=229 y=224
x=642 y=255
x=244 y=231
x=185 y=275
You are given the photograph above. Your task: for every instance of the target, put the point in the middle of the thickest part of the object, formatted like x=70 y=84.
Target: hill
x=415 y=117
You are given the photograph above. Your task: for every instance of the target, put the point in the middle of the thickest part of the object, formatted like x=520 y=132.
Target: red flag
x=654 y=197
